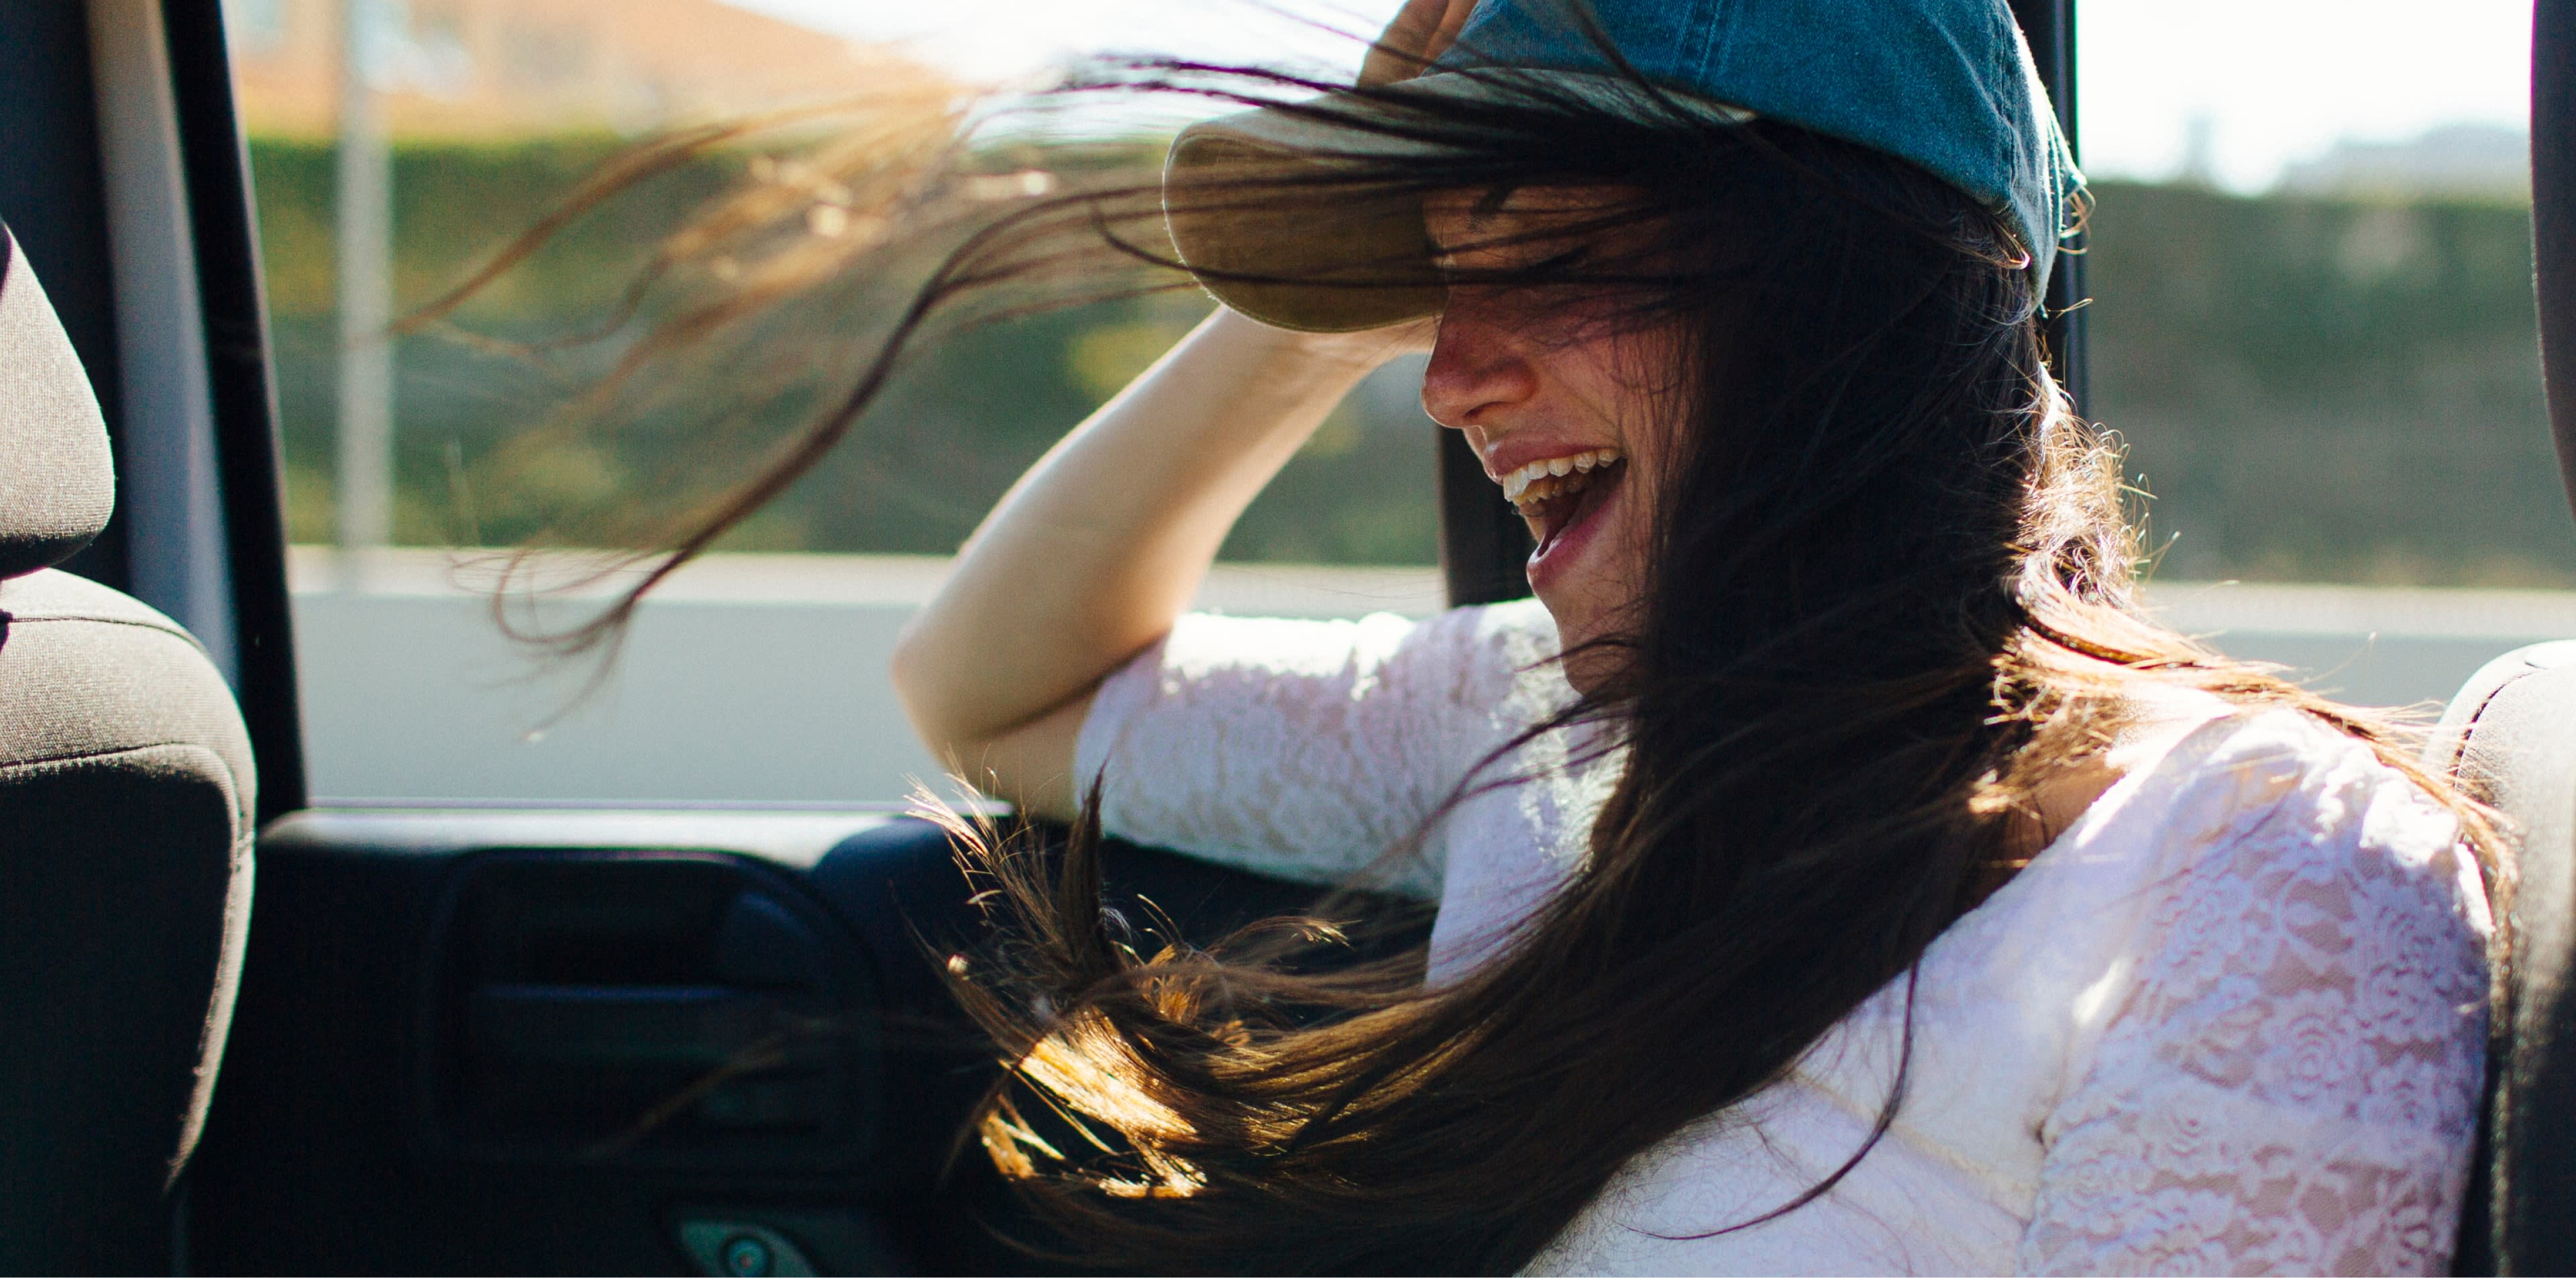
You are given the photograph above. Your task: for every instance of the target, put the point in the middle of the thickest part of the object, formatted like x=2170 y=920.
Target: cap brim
x=1276 y=212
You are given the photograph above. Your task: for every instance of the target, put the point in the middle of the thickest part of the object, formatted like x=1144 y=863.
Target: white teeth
x=1536 y=480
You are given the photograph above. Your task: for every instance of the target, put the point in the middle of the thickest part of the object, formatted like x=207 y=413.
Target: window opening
x=2313 y=324
x=394 y=143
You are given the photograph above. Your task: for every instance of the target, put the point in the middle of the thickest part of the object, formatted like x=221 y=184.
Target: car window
x=395 y=146
x=2312 y=322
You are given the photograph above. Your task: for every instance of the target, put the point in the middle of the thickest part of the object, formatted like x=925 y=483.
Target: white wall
x=762 y=678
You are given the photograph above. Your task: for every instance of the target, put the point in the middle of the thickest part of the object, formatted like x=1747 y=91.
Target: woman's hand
x=1421 y=32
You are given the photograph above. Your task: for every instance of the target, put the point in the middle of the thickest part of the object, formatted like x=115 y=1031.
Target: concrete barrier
x=761 y=678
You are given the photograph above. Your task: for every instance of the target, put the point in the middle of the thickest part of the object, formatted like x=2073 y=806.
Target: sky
x=2281 y=80
x=2277 y=81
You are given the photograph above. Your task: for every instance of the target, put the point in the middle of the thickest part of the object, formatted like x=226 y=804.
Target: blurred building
x=475 y=68
x=2457 y=160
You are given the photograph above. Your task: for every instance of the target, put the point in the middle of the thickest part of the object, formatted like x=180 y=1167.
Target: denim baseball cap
x=1948 y=85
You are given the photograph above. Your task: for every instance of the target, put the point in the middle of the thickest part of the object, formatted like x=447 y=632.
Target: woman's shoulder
x=1383 y=694
x=1519 y=632
x=2287 y=853
x=2275 y=790
x=1495 y=661
x=2299 y=1019
x=2246 y=846
x=1514 y=634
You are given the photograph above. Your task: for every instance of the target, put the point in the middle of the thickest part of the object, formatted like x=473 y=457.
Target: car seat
x=2510 y=737
x=126 y=791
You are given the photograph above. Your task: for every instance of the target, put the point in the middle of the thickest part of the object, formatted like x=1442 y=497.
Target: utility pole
x=364 y=224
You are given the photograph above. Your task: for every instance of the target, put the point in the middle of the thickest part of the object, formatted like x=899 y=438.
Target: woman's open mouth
x=1556 y=494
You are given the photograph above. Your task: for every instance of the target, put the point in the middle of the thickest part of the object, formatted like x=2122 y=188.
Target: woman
x=1835 y=869
x=1870 y=886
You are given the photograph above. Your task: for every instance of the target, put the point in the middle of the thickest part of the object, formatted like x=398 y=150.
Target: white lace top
x=2232 y=1021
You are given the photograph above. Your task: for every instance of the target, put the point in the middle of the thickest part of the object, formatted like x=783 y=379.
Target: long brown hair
x=1892 y=596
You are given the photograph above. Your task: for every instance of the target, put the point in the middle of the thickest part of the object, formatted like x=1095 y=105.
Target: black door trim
x=217 y=170
x=2049 y=26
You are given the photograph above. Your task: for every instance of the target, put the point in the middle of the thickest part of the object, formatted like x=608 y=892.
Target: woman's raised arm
x=1092 y=554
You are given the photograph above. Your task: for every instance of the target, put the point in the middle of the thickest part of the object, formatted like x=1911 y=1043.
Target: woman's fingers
x=1422 y=31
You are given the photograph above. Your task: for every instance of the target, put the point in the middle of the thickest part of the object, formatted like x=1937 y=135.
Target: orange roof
x=470 y=68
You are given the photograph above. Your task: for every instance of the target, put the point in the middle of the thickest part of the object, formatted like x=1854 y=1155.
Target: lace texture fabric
x=1308 y=749
x=2232 y=1021
x=2290 y=1083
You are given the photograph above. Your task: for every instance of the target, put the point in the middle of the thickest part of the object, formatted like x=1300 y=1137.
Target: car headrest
x=57 y=480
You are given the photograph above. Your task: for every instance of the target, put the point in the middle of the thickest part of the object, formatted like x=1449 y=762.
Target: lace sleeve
x=1306 y=749
x=2287 y=1080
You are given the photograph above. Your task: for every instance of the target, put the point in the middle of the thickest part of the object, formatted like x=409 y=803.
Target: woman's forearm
x=1092 y=554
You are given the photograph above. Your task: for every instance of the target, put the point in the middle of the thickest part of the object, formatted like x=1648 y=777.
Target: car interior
x=250 y=1034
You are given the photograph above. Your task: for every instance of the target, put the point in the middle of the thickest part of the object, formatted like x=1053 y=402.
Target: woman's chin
x=1590 y=669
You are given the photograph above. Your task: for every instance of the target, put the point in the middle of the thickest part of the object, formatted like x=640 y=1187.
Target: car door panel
x=563 y=1041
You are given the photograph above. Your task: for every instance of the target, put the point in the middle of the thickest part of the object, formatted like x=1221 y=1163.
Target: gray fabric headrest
x=57 y=480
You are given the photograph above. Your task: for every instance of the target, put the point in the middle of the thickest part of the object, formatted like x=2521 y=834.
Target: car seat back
x=2510 y=739
x=126 y=791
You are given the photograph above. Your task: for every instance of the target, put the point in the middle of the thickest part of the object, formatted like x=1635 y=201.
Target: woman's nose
x=1476 y=368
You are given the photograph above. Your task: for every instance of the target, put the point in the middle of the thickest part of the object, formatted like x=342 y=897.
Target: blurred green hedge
x=2328 y=390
